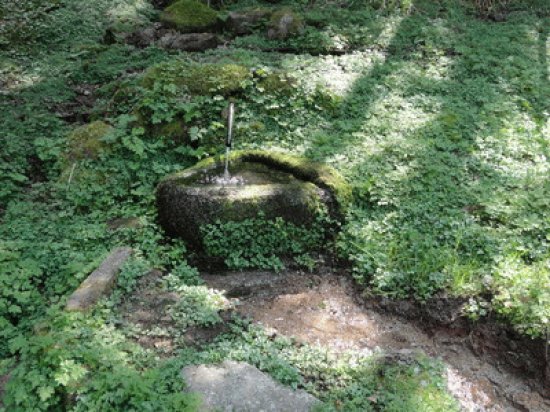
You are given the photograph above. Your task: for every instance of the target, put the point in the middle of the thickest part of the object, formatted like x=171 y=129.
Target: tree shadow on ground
x=441 y=141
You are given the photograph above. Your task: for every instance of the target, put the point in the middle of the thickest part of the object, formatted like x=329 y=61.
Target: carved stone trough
x=261 y=182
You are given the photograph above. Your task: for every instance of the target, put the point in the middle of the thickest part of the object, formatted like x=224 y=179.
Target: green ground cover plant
x=262 y=243
x=349 y=381
x=436 y=115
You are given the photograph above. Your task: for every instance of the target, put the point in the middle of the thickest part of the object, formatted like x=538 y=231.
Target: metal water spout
x=230 y=119
x=229 y=137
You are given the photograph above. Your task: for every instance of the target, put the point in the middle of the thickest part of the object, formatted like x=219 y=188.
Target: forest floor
x=434 y=113
x=326 y=309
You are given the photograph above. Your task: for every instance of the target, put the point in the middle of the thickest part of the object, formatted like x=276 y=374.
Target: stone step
x=238 y=386
x=100 y=282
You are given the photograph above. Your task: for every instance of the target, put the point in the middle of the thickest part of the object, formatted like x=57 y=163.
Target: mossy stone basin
x=259 y=182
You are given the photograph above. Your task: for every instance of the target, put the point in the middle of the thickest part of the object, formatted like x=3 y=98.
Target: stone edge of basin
x=99 y=282
x=305 y=169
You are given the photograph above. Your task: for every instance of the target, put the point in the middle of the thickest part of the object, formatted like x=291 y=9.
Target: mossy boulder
x=192 y=42
x=199 y=79
x=189 y=16
x=283 y=24
x=85 y=142
x=245 y=21
x=275 y=185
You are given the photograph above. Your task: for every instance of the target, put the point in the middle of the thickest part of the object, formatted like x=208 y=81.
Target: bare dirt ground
x=3 y=381
x=326 y=309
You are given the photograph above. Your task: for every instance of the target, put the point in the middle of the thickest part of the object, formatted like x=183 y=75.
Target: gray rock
x=145 y=37
x=100 y=281
x=238 y=386
x=244 y=22
x=284 y=24
x=188 y=42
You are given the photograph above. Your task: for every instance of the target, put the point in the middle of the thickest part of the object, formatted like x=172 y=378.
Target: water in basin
x=243 y=173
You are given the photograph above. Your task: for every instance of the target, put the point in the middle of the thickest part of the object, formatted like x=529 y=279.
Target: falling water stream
x=229 y=139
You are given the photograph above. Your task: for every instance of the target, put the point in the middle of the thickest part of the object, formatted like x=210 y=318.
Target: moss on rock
x=204 y=79
x=195 y=199
x=85 y=142
x=277 y=83
x=190 y=16
x=302 y=168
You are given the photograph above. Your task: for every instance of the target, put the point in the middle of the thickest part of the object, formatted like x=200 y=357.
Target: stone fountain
x=273 y=184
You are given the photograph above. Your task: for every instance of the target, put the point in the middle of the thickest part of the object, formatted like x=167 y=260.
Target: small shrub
x=198 y=306
x=522 y=295
x=77 y=362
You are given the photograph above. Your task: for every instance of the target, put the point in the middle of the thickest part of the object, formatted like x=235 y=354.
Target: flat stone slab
x=100 y=281
x=238 y=386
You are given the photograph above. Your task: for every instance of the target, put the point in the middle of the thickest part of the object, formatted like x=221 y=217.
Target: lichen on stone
x=190 y=16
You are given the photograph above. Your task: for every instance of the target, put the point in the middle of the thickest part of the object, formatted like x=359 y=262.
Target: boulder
x=144 y=37
x=238 y=386
x=190 y=16
x=283 y=24
x=191 y=42
x=273 y=185
x=244 y=22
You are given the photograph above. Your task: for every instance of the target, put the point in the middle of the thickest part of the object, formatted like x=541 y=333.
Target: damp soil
x=326 y=308
x=3 y=381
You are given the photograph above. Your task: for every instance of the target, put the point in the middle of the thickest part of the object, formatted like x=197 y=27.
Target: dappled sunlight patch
x=336 y=73
x=439 y=69
x=389 y=31
x=522 y=294
x=518 y=148
x=198 y=306
x=13 y=78
x=390 y=126
x=129 y=14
